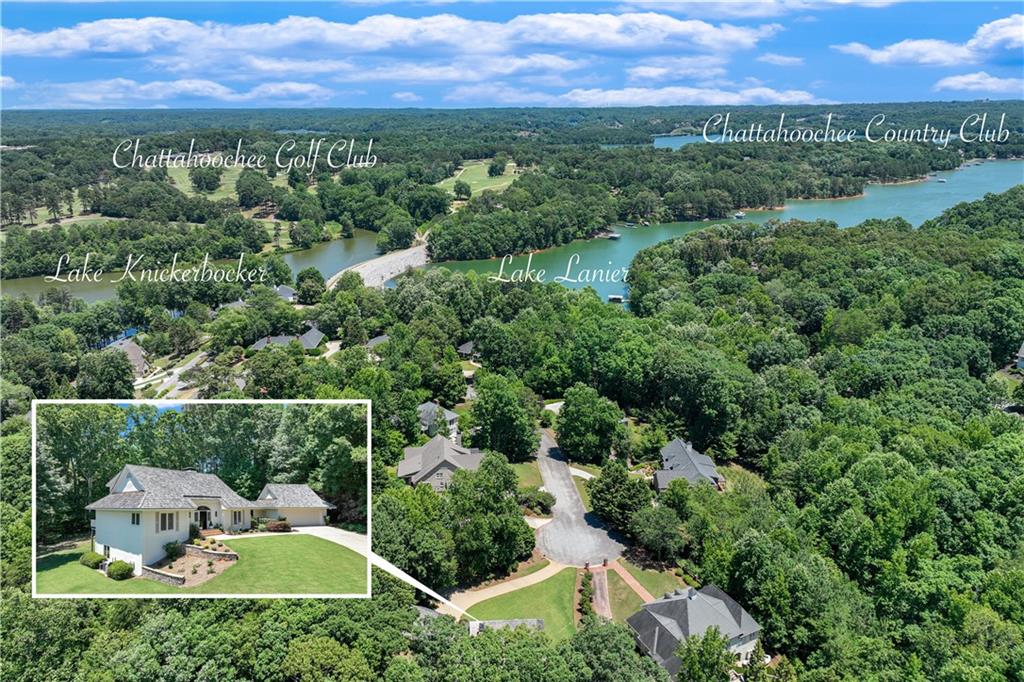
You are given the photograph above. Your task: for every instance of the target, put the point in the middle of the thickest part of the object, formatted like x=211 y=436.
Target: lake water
x=585 y=259
x=327 y=257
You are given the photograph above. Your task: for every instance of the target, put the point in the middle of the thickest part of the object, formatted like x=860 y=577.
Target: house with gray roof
x=679 y=459
x=1020 y=357
x=309 y=340
x=286 y=292
x=430 y=414
x=659 y=626
x=149 y=507
x=295 y=502
x=136 y=356
x=436 y=462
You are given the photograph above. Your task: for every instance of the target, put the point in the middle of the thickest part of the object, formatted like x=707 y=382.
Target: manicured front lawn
x=655 y=582
x=528 y=473
x=288 y=564
x=625 y=602
x=551 y=600
x=60 y=573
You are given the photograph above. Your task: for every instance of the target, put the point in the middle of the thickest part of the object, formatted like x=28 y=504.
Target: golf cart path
x=574 y=537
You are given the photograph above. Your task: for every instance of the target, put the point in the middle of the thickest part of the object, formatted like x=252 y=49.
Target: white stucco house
x=148 y=507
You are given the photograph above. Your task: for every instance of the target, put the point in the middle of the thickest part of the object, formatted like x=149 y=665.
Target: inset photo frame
x=201 y=499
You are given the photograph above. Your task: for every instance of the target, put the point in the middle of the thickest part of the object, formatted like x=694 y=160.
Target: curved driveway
x=574 y=537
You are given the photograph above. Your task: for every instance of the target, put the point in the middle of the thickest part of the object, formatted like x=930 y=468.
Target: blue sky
x=470 y=54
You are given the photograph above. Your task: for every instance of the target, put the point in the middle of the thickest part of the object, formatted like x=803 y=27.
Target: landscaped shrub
x=120 y=570
x=174 y=550
x=537 y=500
x=278 y=526
x=586 y=594
x=91 y=559
x=193 y=531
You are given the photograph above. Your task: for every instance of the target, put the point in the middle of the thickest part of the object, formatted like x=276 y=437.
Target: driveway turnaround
x=574 y=537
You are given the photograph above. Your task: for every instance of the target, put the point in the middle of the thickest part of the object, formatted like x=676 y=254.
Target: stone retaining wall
x=163 y=577
x=195 y=550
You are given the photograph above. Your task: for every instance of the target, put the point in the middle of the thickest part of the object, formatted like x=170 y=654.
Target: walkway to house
x=464 y=600
x=574 y=537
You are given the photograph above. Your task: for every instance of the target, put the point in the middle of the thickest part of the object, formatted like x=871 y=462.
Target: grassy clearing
x=551 y=599
x=475 y=173
x=179 y=176
x=581 y=486
x=289 y=564
x=528 y=474
x=624 y=601
x=529 y=568
x=655 y=582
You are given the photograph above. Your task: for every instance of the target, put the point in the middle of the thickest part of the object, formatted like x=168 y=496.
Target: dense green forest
x=874 y=532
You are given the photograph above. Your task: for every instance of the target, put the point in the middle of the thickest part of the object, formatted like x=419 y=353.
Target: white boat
x=615 y=298
x=941 y=179
x=739 y=215
x=614 y=235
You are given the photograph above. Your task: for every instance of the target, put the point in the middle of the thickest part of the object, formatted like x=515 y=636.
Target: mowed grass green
x=475 y=173
x=624 y=601
x=528 y=473
x=286 y=564
x=656 y=582
x=551 y=600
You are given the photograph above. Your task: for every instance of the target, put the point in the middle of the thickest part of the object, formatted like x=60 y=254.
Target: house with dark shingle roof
x=659 y=626
x=136 y=356
x=436 y=462
x=149 y=507
x=309 y=340
x=679 y=459
x=428 y=414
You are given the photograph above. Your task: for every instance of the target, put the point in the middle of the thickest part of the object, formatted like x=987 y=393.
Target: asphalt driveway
x=574 y=537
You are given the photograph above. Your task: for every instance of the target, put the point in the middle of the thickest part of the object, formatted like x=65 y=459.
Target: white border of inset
x=168 y=403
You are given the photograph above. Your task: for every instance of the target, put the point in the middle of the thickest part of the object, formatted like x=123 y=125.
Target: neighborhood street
x=574 y=537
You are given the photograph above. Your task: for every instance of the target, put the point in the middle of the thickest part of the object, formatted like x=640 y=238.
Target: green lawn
x=591 y=469
x=581 y=486
x=551 y=600
x=475 y=173
x=625 y=602
x=656 y=582
x=288 y=564
x=528 y=474
x=532 y=568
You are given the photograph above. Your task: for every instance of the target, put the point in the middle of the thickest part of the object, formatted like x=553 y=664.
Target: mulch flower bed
x=196 y=569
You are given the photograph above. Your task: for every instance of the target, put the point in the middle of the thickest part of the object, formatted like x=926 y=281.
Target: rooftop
x=660 y=625
x=145 y=487
x=420 y=462
x=292 y=495
x=679 y=459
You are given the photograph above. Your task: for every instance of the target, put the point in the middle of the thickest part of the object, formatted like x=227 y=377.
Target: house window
x=166 y=521
x=439 y=474
x=236 y=517
x=136 y=518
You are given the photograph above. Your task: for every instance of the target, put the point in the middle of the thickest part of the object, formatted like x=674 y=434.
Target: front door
x=204 y=518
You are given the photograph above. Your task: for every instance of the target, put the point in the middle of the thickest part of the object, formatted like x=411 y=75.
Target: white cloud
x=758 y=9
x=151 y=35
x=463 y=69
x=406 y=96
x=982 y=82
x=668 y=68
x=1006 y=33
x=677 y=95
x=127 y=92
x=501 y=93
x=780 y=59
x=8 y=83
